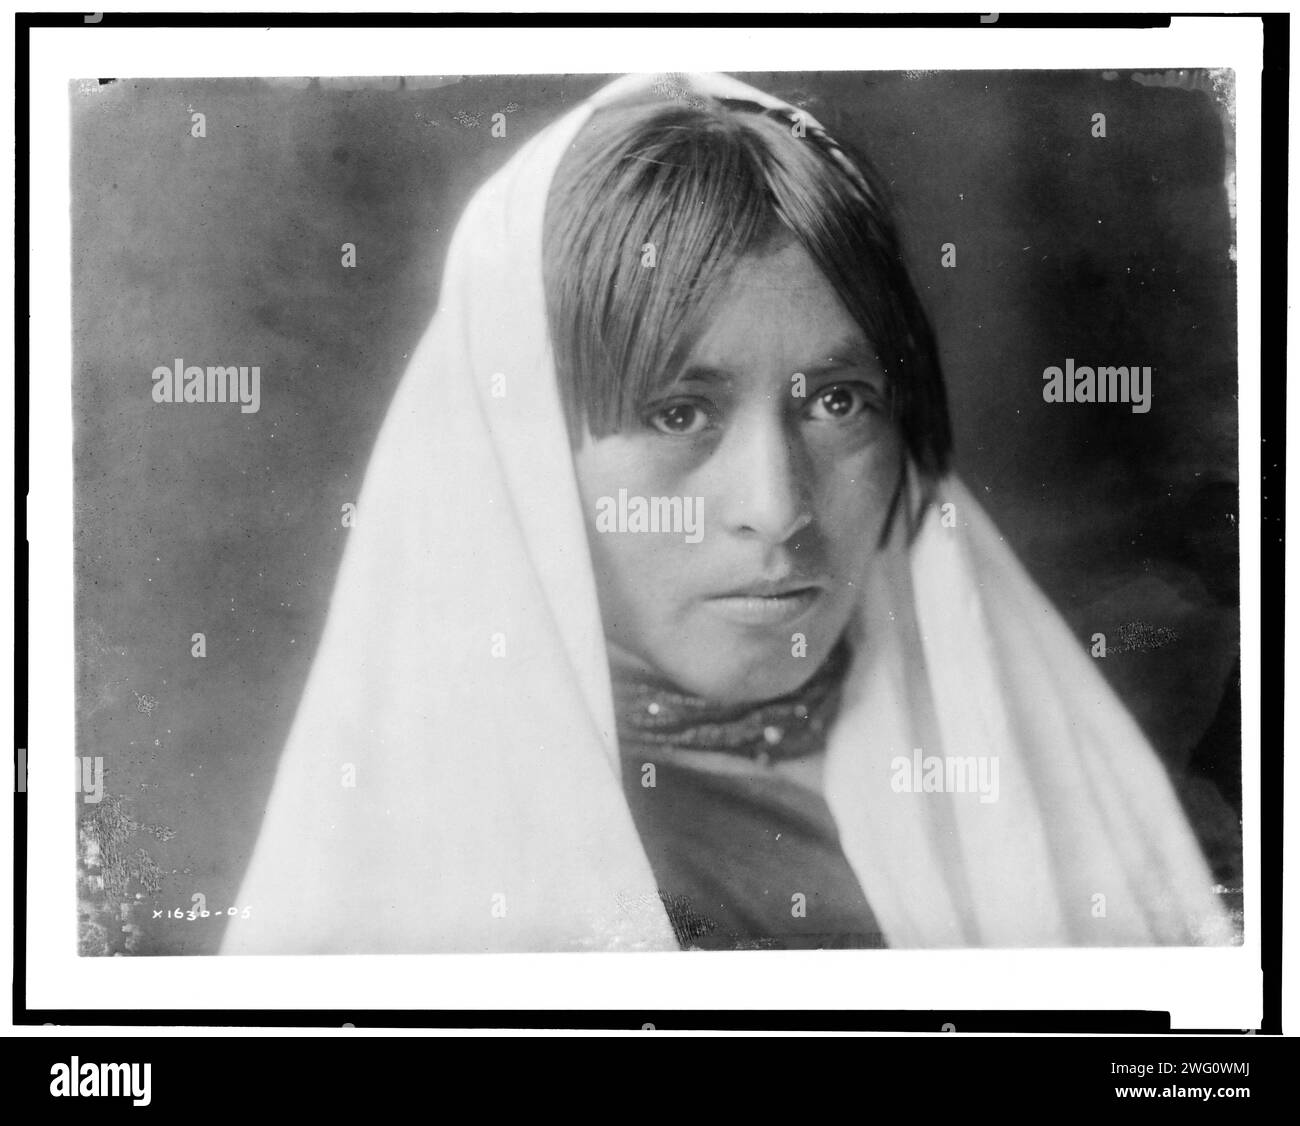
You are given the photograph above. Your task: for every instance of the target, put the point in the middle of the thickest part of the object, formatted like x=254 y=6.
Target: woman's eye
x=840 y=402
x=679 y=419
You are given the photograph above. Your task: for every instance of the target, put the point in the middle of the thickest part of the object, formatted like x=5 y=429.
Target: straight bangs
x=646 y=219
x=649 y=215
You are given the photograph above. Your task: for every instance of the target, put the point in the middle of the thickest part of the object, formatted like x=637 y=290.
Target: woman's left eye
x=840 y=402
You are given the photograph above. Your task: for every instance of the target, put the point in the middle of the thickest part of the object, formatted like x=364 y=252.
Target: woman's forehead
x=778 y=307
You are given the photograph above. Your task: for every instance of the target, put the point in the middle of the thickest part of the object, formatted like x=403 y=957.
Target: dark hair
x=707 y=183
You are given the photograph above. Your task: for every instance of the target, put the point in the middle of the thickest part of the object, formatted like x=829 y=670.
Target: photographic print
x=700 y=511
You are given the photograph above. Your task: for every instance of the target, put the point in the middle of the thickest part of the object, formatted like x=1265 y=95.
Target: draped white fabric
x=462 y=688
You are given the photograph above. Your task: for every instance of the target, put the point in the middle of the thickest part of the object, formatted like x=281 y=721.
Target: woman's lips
x=764 y=609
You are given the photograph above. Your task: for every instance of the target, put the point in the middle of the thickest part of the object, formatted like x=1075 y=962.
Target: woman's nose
x=765 y=482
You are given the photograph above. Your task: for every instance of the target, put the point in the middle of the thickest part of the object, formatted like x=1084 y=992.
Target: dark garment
x=732 y=853
x=745 y=858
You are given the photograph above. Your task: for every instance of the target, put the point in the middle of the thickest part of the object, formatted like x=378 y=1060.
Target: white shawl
x=451 y=780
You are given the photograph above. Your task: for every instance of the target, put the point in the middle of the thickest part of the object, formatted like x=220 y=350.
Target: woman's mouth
x=766 y=604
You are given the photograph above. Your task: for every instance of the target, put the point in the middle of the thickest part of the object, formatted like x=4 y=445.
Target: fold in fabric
x=462 y=687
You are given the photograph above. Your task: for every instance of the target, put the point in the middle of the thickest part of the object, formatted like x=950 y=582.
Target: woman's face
x=777 y=445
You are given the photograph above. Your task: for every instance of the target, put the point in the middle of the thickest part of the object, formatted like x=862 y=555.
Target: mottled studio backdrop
x=226 y=248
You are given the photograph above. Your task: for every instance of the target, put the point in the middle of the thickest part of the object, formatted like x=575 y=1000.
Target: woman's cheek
x=856 y=495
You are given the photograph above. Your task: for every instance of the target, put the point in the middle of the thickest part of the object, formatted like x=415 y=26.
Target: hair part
x=706 y=185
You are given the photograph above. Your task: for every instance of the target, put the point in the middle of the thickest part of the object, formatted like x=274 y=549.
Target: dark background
x=226 y=250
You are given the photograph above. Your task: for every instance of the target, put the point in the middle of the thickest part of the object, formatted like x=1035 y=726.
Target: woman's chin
x=729 y=666
x=723 y=679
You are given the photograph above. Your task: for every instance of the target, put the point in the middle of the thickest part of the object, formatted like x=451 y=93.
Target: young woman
x=664 y=623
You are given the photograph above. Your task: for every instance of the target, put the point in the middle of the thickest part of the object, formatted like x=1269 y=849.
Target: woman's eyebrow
x=702 y=373
x=851 y=352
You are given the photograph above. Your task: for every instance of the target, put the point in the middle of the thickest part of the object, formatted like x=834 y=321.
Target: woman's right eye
x=679 y=419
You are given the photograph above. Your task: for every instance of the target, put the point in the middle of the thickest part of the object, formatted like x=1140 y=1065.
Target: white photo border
x=1201 y=988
